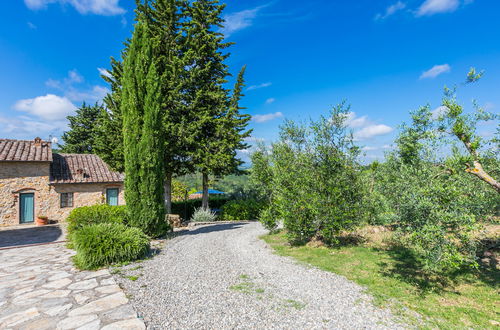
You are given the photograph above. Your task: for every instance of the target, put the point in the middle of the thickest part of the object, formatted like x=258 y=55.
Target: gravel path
x=225 y=277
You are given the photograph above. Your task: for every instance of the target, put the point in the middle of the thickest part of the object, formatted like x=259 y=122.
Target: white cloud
x=353 y=121
x=96 y=94
x=240 y=20
x=66 y=85
x=391 y=10
x=48 y=107
x=98 y=7
x=104 y=72
x=368 y=148
x=254 y=139
x=364 y=128
x=32 y=26
x=263 y=85
x=74 y=77
x=431 y=7
x=270 y=100
x=439 y=111
x=435 y=71
x=26 y=128
x=267 y=117
x=488 y=106
x=372 y=131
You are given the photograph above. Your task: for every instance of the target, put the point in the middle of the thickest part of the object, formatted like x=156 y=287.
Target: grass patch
x=247 y=286
x=294 y=304
x=468 y=300
x=116 y=270
x=132 y=277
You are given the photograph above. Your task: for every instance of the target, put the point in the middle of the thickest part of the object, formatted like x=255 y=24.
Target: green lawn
x=471 y=301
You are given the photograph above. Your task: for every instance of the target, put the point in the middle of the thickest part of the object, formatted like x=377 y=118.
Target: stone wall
x=33 y=177
x=22 y=177
x=84 y=194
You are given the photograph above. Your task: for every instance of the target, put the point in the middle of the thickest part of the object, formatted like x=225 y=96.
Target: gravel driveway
x=225 y=277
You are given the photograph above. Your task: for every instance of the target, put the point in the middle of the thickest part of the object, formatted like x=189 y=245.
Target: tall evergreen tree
x=165 y=18
x=109 y=126
x=152 y=171
x=80 y=137
x=217 y=122
x=142 y=140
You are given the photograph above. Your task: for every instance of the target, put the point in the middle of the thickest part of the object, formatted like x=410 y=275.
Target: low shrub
x=242 y=209
x=201 y=215
x=88 y=215
x=186 y=208
x=103 y=244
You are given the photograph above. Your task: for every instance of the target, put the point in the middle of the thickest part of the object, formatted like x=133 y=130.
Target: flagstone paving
x=40 y=289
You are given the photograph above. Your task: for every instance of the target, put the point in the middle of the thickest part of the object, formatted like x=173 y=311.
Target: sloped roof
x=81 y=168
x=25 y=151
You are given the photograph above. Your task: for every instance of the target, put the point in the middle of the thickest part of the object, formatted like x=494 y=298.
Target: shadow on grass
x=405 y=267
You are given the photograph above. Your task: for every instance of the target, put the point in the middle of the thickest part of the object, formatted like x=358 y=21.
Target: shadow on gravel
x=30 y=235
x=214 y=228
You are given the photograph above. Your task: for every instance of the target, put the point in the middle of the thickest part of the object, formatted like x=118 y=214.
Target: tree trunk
x=478 y=171
x=204 y=200
x=168 y=193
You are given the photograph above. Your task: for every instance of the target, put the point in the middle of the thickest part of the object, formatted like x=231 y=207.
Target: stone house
x=34 y=181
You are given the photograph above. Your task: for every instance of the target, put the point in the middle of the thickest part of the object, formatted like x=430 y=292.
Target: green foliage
x=310 y=179
x=436 y=204
x=220 y=127
x=152 y=171
x=143 y=139
x=435 y=220
x=186 y=208
x=90 y=215
x=203 y=215
x=179 y=190
x=103 y=244
x=242 y=209
x=108 y=130
x=80 y=139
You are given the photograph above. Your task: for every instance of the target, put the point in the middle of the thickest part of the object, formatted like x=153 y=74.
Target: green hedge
x=88 y=215
x=103 y=244
x=186 y=209
x=242 y=209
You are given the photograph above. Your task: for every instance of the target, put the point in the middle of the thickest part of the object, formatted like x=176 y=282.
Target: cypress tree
x=152 y=159
x=140 y=104
x=165 y=18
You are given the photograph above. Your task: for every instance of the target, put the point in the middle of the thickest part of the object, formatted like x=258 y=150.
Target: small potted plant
x=42 y=220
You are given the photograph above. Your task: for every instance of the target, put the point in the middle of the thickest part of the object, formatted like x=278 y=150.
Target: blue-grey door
x=27 y=207
x=112 y=196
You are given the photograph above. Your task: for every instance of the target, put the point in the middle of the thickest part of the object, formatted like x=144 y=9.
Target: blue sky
x=383 y=57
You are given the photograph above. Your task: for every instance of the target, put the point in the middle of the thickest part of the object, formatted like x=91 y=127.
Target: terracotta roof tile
x=25 y=151
x=81 y=168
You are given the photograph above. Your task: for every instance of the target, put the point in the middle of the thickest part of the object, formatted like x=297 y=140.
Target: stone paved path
x=40 y=289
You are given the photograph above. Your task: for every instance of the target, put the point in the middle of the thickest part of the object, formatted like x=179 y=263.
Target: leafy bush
x=201 y=215
x=311 y=180
x=88 y=215
x=435 y=220
x=186 y=208
x=103 y=244
x=242 y=209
